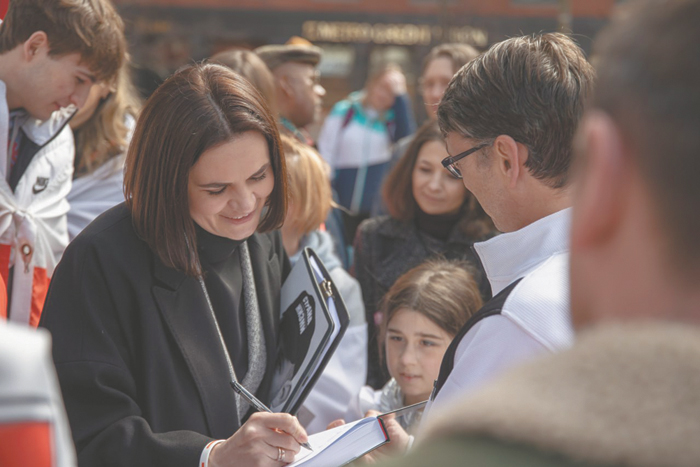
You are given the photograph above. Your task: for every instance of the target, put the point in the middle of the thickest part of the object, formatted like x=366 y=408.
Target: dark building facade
x=355 y=34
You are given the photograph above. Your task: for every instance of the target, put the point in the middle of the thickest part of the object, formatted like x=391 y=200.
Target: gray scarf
x=257 y=358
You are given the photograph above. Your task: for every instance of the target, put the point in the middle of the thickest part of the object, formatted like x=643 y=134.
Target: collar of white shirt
x=510 y=256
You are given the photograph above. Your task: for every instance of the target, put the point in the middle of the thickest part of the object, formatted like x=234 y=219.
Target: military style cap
x=295 y=50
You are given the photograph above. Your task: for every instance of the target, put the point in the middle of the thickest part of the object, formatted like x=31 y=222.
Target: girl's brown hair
x=197 y=108
x=397 y=191
x=105 y=134
x=443 y=291
x=309 y=185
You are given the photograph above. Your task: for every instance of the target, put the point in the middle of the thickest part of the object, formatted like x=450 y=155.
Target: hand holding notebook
x=345 y=443
x=342 y=445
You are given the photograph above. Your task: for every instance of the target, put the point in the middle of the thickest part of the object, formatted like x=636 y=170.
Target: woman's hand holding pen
x=266 y=439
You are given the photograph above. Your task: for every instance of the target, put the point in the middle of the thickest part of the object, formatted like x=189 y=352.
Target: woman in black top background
x=135 y=303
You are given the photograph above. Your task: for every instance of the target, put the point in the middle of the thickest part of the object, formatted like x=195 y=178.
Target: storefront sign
x=398 y=34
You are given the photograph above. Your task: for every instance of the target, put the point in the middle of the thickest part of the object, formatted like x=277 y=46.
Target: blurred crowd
x=525 y=260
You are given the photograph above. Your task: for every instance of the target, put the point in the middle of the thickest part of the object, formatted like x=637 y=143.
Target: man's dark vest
x=492 y=307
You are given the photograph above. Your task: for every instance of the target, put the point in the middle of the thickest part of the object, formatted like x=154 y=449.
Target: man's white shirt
x=535 y=316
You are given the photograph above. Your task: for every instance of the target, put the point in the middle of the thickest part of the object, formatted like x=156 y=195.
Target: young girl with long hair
x=423 y=311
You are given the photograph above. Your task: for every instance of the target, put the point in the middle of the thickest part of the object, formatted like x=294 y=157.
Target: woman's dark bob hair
x=397 y=190
x=197 y=108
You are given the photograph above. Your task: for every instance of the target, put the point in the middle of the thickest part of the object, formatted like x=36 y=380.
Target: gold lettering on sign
x=399 y=34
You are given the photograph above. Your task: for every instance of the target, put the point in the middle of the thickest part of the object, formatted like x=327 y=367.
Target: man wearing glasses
x=509 y=118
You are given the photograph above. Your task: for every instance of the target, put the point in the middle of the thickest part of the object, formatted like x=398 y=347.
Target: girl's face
x=415 y=346
x=435 y=190
x=229 y=185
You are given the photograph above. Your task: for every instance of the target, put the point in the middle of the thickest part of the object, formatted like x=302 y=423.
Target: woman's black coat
x=143 y=376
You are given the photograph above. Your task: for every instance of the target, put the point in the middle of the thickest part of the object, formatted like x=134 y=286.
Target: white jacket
x=33 y=231
x=93 y=194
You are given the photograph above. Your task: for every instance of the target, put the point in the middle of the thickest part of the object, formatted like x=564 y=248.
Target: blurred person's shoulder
x=385 y=226
x=450 y=451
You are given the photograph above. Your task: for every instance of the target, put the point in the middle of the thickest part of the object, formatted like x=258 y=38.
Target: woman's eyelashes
x=217 y=192
x=260 y=177
x=255 y=178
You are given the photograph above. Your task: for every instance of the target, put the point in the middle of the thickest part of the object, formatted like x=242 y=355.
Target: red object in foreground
x=25 y=444
x=3 y=7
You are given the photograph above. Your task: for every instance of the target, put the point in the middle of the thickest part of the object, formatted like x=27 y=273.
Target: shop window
x=337 y=61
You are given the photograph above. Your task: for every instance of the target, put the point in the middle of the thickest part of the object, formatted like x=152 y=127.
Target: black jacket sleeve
x=92 y=344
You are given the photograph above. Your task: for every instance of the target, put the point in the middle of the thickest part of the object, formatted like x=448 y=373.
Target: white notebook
x=343 y=444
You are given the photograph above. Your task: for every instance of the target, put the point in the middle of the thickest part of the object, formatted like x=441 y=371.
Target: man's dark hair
x=648 y=63
x=531 y=88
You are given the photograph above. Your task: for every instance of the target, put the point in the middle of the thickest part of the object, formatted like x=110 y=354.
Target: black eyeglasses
x=449 y=162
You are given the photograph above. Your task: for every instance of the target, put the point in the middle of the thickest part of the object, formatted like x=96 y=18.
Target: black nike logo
x=40 y=185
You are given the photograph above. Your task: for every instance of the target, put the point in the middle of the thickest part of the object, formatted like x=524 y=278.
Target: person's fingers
x=372 y=413
x=335 y=424
x=369 y=458
x=282 y=422
x=282 y=440
x=279 y=454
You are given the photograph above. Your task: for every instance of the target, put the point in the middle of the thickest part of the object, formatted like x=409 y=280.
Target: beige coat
x=625 y=395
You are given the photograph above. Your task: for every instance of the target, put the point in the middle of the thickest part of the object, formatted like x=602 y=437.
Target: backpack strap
x=492 y=307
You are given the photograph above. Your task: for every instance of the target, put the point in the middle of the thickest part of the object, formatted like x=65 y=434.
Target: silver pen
x=255 y=402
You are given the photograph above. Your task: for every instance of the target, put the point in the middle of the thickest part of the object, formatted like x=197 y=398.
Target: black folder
x=313 y=320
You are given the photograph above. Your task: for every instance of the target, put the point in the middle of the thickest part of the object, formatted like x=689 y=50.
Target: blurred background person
x=439 y=66
x=102 y=130
x=423 y=311
x=357 y=135
x=309 y=203
x=250 y=66
x=431 y=214
x=299 y=98
x=51 y=53
x=297 y=83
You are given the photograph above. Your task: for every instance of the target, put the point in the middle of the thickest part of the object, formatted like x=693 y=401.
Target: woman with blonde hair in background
x=102 y=129
x=309 y=204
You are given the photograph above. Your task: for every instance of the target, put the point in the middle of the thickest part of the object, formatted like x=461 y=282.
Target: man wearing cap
x=297 y=81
